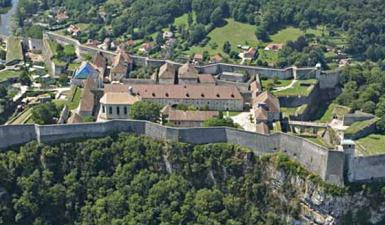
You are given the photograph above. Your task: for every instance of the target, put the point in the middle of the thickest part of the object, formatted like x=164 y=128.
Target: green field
x=74 y=100
x=334 y=108
x=274 y=84
x=14 y=50
x=286 y=112
x=183 y=20
x=371 y=145
x=8 y=74
x=285 y=35
x=300 y=88
x=235 y=32
x=357 y=126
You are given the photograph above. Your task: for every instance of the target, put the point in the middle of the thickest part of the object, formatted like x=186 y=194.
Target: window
x=125 y=110
x=110 y=110
x=103 y=109
x=117 y=110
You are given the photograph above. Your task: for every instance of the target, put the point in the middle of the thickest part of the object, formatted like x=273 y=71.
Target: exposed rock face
x=320 y=207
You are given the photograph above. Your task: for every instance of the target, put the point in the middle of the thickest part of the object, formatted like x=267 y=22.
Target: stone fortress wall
x=328 y=164
x=327 y=79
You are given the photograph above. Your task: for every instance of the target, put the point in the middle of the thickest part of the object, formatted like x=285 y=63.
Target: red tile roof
x=169 y=91
x=180 y=115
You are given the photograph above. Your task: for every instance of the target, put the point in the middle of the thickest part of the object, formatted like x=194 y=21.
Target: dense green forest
x=363 y=21
x=126 y=179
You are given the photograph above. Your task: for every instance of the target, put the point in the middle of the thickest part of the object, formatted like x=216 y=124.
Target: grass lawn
x=14 y=50
x=318 y=141
x=334 y=108
x=23 y=117
x=8 y=74
x=183 y=20
x=371 y=145
x=285 y=35
x=234 y=32
x=271 y=57
x=357 y=126
x=278 y=83
x=293 y=111
x=300 y=88
x=293 y=33
x=74 y=100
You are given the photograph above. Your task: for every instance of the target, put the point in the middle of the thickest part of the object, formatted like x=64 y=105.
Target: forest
x=363 y=21
x=126 y=180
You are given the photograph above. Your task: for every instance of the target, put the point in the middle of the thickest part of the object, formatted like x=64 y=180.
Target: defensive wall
x=328 y=164
x=327 y=80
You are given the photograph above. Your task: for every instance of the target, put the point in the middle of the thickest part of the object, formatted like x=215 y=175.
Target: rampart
x=286 y=73
x=328 y=164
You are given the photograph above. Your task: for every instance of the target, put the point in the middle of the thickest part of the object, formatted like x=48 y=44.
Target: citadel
x=108 y=93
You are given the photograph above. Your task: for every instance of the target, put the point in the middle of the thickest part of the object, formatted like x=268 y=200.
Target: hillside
x=135 y=180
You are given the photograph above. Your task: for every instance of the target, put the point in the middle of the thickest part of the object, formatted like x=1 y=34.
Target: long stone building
x=118 y=98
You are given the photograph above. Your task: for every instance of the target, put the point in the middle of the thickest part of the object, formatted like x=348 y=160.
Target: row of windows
x=117 y=109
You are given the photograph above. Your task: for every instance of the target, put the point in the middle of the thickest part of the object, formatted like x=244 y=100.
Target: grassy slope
x=372 y=144
x=234 y=32
x=14 y=50
x=357 y=126
x=298 y=89
x=8 y=74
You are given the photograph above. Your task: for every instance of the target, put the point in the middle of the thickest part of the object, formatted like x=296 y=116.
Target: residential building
x=273 y=47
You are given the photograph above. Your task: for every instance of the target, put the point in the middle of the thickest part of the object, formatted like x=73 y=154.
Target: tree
x=25 y=79
x=45 y=113
x=261 y=33
x=3 y=92
x=145 y=111
x=216 y=17
x=227 y=47
x=219 y=122
x=190 y=20
x=198 y=33
x=381 y=125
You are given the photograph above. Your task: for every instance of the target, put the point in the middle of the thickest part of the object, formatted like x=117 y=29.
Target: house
x=168 y=35
x=250 y=54
x=216 y=59
x=121 y=66
x=73 y=30
x=92 y=43
x=212 y=97
x=106 y=44
x=266 y=108
x=198 y=58
x=166 y=75
x=187 y=74
x=61 y=16
x=180 y=118
x=145 y=48
x=273 y=47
